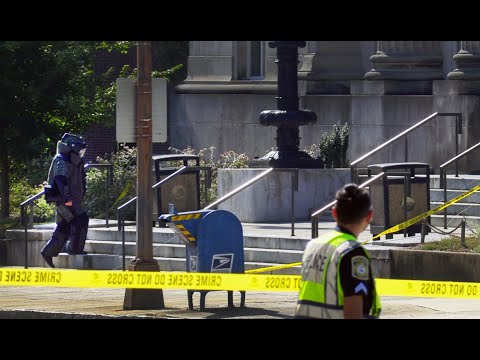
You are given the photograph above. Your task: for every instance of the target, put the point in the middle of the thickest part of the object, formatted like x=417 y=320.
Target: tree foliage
x=49 y=88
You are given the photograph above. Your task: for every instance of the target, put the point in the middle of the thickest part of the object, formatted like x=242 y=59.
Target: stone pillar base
x=329 y=87
x=420 y=67
x=390 y=87
x=468 y=66
x=456 y=87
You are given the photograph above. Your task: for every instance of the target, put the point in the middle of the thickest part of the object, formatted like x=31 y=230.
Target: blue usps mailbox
x=214 y=243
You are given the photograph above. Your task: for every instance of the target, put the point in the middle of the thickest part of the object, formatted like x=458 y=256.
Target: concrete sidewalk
x=76 y=303
x=85 y=303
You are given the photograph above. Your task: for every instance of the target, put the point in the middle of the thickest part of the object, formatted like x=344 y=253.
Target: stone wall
x=379 y=88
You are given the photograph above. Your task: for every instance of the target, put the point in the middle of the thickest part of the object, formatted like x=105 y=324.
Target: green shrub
x=34 y=171
x=123 y=188
x=332 y=147
x=21 y=190
x=227 y=159
x=27 y=180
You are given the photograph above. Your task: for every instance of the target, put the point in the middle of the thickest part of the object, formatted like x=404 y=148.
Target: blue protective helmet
x=75 y=143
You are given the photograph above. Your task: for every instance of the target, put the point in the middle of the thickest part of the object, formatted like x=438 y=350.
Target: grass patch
x=472 y=245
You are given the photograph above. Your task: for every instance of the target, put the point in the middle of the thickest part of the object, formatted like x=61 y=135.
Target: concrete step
x=114 y=262
x=436 y=195
x=462 y=182
x=179 y=251
x=454 y=220
x=460 y=208
x=167 y=236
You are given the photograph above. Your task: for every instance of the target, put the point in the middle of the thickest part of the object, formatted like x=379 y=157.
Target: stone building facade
x=379 y=88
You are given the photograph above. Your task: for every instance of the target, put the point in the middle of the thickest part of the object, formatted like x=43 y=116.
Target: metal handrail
x=443 y=177
x=315 y=215
x=260 y=176
x=238 y=189
x=121 y=221
x=31 y=199
x=23 y=221
x=458 y=131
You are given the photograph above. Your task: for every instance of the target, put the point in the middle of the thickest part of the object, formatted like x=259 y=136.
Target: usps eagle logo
x=222 y=263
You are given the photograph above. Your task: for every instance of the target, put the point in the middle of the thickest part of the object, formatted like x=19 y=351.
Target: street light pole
x=144 y=261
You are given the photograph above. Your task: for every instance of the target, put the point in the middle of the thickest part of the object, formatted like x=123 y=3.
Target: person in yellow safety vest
x=337 y=279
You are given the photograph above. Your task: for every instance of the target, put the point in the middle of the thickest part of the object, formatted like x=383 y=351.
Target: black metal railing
x=458 y=130
x=23 y=220
x=443 y=176
x=316 y=214
x=294 y=187
x=120 y=209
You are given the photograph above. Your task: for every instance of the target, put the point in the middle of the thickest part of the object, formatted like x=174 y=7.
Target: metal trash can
x=214 y=243
x=183 y=190
x=401 y=194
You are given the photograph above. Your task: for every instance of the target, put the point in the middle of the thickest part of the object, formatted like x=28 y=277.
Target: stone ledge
x=426 y=265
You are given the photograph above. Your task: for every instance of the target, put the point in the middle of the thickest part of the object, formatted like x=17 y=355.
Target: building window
x=255 y=60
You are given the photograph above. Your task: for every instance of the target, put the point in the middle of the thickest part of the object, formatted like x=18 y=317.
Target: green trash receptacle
x=402 y=194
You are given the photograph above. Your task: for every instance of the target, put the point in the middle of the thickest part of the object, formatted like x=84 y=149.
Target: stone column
x=210 y=61
x=406 y=60
x=329 y=66
x=467 y=62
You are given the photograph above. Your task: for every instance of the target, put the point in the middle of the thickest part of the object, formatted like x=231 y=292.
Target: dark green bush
x=123 y=188
x=21 y=190
x=332 y=147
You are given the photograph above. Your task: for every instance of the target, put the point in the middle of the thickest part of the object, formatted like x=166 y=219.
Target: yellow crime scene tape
x=393 y=229
x=216 y=281
x=223 y=281
x=147 y=279
x=424 y=288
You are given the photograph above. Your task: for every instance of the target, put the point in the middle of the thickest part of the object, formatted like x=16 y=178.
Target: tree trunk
x=4 y=177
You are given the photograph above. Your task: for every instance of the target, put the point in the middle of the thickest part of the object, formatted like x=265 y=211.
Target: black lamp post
x=288 y=117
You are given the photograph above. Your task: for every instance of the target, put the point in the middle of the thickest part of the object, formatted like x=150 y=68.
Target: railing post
x=457 y=133
x=424 y=228
x=121 y=229
x=462 y=233
x=23 y=220
x=122 y=225
x=406 y=148
x=314 y=227
x=443 y=173
x=107 y=175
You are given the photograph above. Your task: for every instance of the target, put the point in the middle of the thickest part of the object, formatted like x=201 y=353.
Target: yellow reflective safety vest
x=321 y=293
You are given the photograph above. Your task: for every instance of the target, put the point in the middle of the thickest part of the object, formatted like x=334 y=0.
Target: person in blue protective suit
x=68 y=177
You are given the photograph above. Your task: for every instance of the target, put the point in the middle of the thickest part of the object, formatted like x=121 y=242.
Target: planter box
x=269 y=200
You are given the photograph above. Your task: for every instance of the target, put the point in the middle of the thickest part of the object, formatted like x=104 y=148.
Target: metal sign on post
x=125 y=124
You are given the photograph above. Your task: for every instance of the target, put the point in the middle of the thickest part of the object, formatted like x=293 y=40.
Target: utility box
x=402 y=194
x=183 y=190
x=214 y=243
